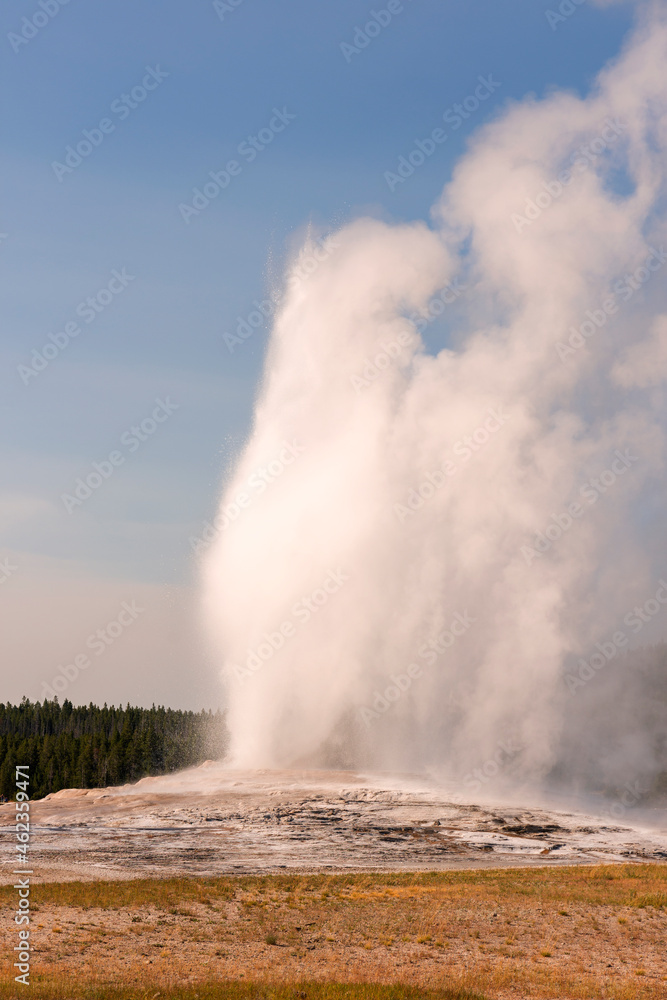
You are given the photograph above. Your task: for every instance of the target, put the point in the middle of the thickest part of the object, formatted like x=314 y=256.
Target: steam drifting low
x=456 y=531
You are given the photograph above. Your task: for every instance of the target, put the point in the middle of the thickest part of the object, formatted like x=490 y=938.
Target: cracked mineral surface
x=214 y=820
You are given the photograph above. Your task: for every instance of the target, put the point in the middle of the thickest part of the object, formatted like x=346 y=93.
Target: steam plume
x=441 y=485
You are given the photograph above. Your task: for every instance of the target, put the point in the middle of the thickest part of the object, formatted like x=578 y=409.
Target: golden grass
x=581 y=933
x=43 y=990
x=599 y=885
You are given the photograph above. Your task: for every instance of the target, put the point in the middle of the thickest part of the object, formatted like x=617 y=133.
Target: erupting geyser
x=428 y=544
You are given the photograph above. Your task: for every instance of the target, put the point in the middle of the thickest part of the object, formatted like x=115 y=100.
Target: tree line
x=91 y=747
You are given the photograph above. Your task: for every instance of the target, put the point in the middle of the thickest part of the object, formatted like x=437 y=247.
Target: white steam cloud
x=420 y=547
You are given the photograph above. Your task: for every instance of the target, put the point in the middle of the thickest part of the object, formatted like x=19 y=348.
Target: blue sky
x=161 y=336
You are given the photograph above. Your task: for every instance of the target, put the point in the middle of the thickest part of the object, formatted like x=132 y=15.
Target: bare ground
x=576 y=932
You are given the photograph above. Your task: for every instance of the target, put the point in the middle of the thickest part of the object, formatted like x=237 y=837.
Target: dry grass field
x=579 y=932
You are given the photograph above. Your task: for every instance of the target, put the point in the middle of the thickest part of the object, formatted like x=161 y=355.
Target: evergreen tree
x=87 y=746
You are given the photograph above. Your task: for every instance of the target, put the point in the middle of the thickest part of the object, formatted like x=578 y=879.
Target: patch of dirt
x=502 y=942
